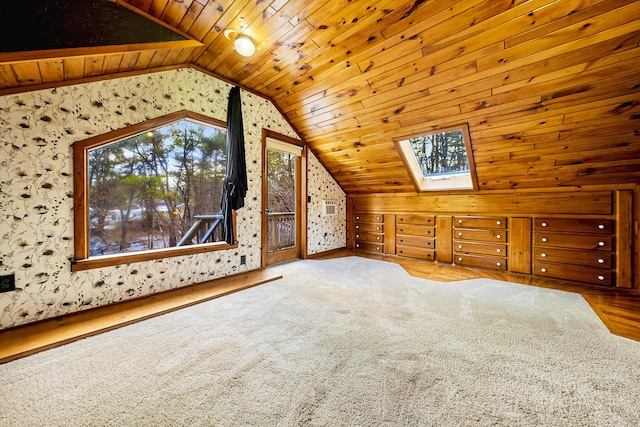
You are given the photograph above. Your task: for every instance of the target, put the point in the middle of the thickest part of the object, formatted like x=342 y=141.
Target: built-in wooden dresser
x=480 y=241
x=575 y=249
x=415 y=236
x=369 y=232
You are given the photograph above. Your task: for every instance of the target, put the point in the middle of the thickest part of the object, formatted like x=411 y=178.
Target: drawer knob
x=544 y=239
x=377 y=218
x=377 y=248
x=601 y=226
x=357 y=245
x=357 y=236
x=378 y=238
x=459 y=246
x=357 y=217
x=544 y=270
x=499 y=264
x=601 y=277
x=357 y=226
x=499 y=236
x=544 y=224
x=498 y=250
x=498 y=222
x=459 y=259
x=600 y=261
x=543 y=255
x=459 y=221
x=600 y=243
x=377 y=228
x=459 y=234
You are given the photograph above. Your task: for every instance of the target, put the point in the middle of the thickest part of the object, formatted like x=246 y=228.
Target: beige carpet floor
x=341 y=342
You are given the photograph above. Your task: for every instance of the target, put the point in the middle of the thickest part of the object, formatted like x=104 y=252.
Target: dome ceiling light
x=243 y=44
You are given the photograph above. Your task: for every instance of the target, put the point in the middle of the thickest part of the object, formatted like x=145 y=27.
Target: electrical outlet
x=243 y=259
x=8 y=283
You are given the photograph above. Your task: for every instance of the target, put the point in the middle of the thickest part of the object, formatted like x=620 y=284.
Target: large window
x=440 y=160
x=149 y=191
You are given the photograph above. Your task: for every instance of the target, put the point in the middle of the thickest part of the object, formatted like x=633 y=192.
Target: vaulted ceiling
x=550 y=88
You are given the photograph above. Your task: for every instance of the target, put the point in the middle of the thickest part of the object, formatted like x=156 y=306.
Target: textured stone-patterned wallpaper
x=324 y=233
x=37 y=130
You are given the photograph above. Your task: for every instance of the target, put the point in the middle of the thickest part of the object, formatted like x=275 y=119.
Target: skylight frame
x=438 y=181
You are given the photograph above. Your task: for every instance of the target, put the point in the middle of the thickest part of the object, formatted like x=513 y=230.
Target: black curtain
x=234 y=188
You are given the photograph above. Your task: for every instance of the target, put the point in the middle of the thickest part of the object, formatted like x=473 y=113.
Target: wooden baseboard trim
x=24 y=340
x=324 y=254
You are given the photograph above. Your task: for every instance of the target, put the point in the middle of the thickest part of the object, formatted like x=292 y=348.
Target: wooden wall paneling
x=444 y=238
x=51 y=70
x=390 y=234
x=520 y=245
x=597 y=202
x=624 y=239
x=27 y=73
x=7 y=77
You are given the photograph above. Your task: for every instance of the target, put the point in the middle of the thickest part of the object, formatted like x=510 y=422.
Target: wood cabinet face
x=417 y=219
x=415 y=230
x=563 y=225
x=480 y=222
x=480 y=235
x=576 y=257
x=378 y=228
x=415 y=252
x=578 y=273
x=574 y=241
x=369 y=246
x=495 y=249
x=370 y=237
x=369 y=218
x=419 y=241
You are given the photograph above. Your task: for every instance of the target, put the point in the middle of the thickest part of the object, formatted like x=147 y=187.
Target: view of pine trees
x=144 y=191
x=281 y=181
x=441 y=153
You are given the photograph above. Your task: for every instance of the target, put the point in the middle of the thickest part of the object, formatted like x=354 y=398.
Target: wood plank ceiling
x=550 y=88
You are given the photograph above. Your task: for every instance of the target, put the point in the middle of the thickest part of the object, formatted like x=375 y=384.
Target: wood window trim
x=417 y=180
x=81 y=149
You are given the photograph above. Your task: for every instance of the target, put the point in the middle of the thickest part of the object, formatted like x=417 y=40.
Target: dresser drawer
x=481 y=235
x=367 y=226
x=415 y=252
x=415 y=230
x=369 y=218
x=416 y=219
x=591 y=226
x=574 y=241
x=370 y=237
x=421 y=242
x=480 y=222
x=589 y=258
x=480 y=261
x=370 y=246
x=578 y=273
x=497 y=249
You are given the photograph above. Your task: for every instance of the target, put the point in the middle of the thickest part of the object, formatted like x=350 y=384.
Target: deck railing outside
x=282 y=230
x=205 y=229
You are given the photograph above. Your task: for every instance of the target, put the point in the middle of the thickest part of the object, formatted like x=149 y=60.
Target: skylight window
x=440 y=161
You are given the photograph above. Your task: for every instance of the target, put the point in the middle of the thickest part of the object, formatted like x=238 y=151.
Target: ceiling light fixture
x=243 y=44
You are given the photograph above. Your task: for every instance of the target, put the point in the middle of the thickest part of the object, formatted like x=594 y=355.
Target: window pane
x=147 y=191
x=281 y=200
x=441 y=153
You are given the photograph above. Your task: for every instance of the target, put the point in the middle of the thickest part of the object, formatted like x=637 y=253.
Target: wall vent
x=329 y=207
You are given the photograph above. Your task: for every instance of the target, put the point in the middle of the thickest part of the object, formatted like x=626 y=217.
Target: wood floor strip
x=29 y=339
